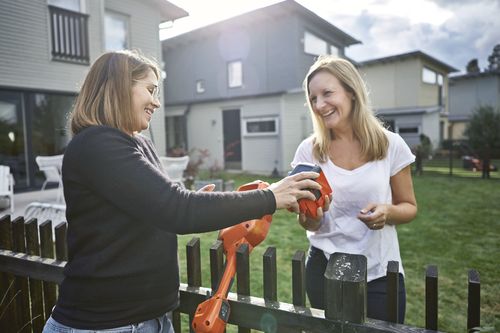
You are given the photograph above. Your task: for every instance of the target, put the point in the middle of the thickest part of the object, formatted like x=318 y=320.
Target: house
x=46 y=47
x=469 y=91
x=234 y=88
x=409 y=92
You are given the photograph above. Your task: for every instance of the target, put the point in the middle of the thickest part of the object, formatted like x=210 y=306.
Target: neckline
x=347 y=171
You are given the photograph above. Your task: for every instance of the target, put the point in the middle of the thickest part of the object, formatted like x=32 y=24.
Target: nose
x=320 y=103
x=156 y=102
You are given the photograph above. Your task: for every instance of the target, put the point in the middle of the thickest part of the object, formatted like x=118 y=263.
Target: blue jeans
x=158 y=325
x=376 y=306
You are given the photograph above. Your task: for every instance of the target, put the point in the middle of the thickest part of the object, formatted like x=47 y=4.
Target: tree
x=494 y=59
x=472 y=66
x=483 y=131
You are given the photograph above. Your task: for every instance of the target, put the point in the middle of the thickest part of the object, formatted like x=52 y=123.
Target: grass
x=457 y=228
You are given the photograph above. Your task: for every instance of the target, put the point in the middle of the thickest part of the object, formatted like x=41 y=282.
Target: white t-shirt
x=341 y=230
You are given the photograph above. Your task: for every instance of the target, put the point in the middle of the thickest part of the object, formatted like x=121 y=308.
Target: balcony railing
x=70 y=38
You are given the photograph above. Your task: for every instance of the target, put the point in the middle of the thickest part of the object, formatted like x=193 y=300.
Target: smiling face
x=145 y=99
x=329 y=100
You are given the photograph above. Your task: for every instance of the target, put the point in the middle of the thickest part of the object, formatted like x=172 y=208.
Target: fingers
x=207 y=188
x=305 y=175
x=307 y=223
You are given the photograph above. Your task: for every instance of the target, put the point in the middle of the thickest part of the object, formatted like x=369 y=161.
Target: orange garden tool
x=306 y=206
x=212 y=314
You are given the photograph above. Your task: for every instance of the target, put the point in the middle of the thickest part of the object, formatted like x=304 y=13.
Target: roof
x=169 y=11
x=269 y=12
x=408 y=110
x=474 y=75
x=414 y=54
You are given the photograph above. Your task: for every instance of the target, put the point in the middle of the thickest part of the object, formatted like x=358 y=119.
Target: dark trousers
x=376 y=295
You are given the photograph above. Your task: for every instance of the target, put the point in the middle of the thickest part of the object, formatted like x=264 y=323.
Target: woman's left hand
x=207 y=188
x=375 y=216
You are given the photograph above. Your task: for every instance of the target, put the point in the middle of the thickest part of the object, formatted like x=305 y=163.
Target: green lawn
x=457 y=228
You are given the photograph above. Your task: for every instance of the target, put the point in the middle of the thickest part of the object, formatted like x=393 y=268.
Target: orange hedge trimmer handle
x=213 y=314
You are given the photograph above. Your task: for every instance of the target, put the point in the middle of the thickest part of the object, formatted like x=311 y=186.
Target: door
x=232 y=139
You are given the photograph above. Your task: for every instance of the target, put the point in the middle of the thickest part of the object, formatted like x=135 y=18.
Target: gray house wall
x=467 y=93
x=269 y=42
x=27 y=67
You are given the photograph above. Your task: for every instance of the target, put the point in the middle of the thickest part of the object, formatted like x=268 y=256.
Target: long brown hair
x=367 y=128
x=105 y=97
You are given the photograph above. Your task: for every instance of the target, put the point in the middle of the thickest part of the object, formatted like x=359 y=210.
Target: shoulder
x=307 y=143
x=96 y=140
x=395 y=140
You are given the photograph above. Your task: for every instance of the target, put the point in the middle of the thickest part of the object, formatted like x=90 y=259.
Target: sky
x=453 y=31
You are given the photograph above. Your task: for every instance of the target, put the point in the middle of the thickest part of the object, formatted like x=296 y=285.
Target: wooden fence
x=32 y=262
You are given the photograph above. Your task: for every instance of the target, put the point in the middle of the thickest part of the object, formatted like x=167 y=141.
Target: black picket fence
x=32 y=262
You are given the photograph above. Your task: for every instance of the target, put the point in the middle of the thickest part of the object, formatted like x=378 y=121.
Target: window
x=440 y=79
x=314 y=45
x=234 y=74
x=116 y=29
x=200 y=86
x=429 y=76
x=334 y=50
x=408 y=130
x=260 y=126
x=73 y=5
x=176 y=133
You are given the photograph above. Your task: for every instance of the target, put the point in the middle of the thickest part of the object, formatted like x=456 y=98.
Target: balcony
x=69 y=35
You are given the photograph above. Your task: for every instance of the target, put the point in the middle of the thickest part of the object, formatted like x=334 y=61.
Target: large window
x=32 y=124
x=260 y=126
x=116 y=29
x=314 y=45
x=430 y=76
x=234 y=74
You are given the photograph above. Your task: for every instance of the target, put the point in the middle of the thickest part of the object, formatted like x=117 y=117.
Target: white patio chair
x=7 y=185
x=174 y=167
x=51 y=167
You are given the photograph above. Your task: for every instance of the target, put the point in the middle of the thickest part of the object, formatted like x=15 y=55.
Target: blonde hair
x=367 y=128
x=105 y=97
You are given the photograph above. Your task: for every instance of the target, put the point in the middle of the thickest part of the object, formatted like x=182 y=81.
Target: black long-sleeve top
x=123 y=215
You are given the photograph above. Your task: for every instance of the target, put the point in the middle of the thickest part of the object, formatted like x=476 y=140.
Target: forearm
x=401 y=213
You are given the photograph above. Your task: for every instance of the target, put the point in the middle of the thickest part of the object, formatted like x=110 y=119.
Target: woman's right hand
x=313 y=224
x=292 y=188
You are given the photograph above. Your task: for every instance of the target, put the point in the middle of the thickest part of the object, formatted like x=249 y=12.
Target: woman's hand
x=292 y=188
x=207 y=188
x=375 y=216
x=310 y=223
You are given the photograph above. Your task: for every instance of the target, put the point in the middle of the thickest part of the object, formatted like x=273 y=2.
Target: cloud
x=451 y=31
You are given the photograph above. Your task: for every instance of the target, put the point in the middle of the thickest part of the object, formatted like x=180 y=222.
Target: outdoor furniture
x=7 y=185
x=174 y=167
x=51 y=167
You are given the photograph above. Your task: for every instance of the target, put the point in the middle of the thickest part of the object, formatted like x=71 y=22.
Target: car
x=475 y=164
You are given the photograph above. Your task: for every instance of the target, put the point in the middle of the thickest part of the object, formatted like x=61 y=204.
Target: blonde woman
x=368 y=168
x=123 y=212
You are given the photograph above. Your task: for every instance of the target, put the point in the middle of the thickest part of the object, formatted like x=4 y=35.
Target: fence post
x=193 y=260
x=243 y=273
x=393 y=291
x=47 y=251
x=270 y=274
x=299 y=279
x=431 y=297
x=23 y=307
x=61 y=245
x=33 y=248
x=474 y=301
x=216 y=264
x=7 y=288
x=345 y=288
